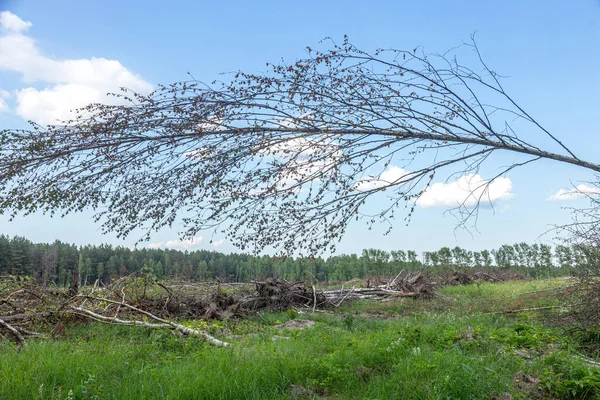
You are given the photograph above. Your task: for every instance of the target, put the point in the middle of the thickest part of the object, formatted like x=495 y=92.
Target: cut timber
x=165 y=323
x=14 y=332
x=415 y=284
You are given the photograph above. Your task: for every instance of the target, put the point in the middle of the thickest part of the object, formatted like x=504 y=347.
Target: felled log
x=13 y=331
x=24 y=317
x=162 y=323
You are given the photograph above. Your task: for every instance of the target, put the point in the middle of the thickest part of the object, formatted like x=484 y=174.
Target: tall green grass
x=354 y=353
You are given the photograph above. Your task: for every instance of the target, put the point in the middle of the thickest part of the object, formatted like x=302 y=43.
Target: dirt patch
x=529 y=385
x=296 y=324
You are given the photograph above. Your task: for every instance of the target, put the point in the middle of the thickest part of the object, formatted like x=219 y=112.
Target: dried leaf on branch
x=284 y=159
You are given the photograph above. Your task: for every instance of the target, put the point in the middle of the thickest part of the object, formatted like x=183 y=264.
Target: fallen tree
x=284 y=159
x=162 y=323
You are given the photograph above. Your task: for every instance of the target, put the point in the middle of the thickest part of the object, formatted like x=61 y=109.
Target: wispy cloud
x=391 y=176
x=578 y=192
x=217 y=243
x=4 y=95
x=302 y=160
x=177 y=244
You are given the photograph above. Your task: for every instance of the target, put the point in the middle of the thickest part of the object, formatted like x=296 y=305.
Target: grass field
x=458 y=346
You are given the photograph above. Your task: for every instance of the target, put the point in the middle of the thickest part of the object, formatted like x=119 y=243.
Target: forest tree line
x=56 y=262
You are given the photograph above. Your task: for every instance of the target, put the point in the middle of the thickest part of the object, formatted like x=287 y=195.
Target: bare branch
x=163 y=322
x=267 y=159
x=13 y=331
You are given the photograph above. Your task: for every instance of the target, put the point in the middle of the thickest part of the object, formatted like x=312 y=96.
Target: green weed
x=405 y=349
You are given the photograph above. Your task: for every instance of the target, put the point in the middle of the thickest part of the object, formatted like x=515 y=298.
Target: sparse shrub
x=565 y=379
x=292 y=314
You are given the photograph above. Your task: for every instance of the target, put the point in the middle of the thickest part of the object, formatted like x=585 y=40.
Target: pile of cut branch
x=278 y=294
x=24 y=305
x=411 y=284
x=26 y=308
x=138 y=301
x=453 y=278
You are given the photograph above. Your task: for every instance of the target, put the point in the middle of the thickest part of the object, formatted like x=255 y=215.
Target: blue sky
x=54 y=54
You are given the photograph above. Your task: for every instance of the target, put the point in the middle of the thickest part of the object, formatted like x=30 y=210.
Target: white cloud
x=10 y=22
x=211 y=123
x=296 y=145
x=70 y=84
x=390 y=176
x=578 y=192
x=466 y=190
x=177 y=244
x=3 y=96
x=300 y=172
x=297 y=122
x=217 y=243
x=302 y=159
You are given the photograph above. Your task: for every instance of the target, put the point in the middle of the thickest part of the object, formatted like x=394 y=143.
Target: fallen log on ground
x=101 y=304
x=127 y=301
x=415 y=284
x=14 y=331
x=163 y=323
